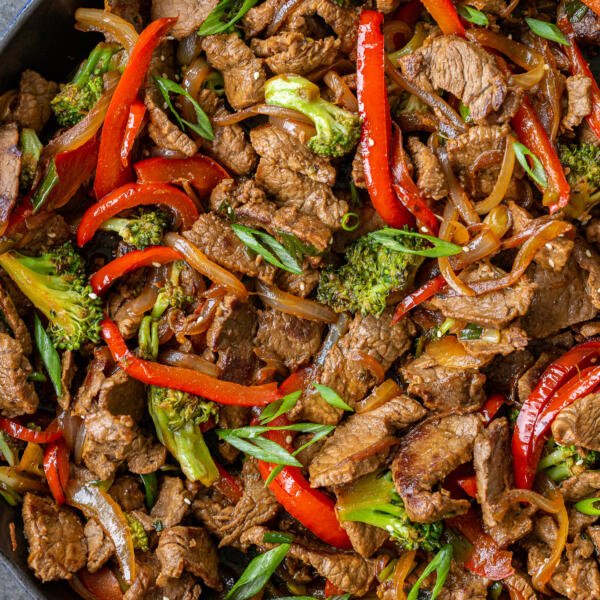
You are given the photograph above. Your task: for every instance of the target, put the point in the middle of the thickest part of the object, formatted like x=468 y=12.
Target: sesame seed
x=370 y=142
x=439 y=334
x=424 y=229
x=187 y=501
x=256 y=75
x=162 y=57
x=549 y=245
x=165 y=76
x=551 y=263
x=165 y=105
x=288 y=439
x=92 y=296
x=588 y=253
x=156 y=264
x=546 y=67
x=465 y=248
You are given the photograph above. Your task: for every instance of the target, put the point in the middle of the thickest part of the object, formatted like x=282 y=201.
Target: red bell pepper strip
x=409 y=12
x=557 y=374
x=332 y=590
x=374 y=110
x=201 y=171
x=469 y=485
x=110 y=172
x=180 y=378
x=532 y=134
x=25 y=434
x=445 y=15
x=579 y=66
x=228 y=486
x=295 y=382
x=492 y=405
x=137 y=112
x=407 y=190
x=314 y=509
x=486 y=558
x=582 y=384
x=426 y=291
x=131 y=195
x=102 y=279
x=56 y=469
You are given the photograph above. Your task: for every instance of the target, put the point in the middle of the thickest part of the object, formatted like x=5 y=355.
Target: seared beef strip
x=363 y=442
x=33 y=101
x=579 y=423
x=429 y=176
x=426 y=454
x=57 y=546
x=580 y=101
x=10 y=169
x=17 y=393
x=190 y=14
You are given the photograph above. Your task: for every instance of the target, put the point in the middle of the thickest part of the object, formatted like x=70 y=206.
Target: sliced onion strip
x=294 y=305
x=114 y=27
x=259 y=109
x=501 y=186
x=199 y=261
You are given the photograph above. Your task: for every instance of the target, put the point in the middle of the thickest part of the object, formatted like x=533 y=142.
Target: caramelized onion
x=342 y=93
x=79 y=134
x=175 y=358
x=189 y=49
x=111 y=25
x=74 y=431
x=302 y=131
x=449 y=352
x=526 y=253
x=439 y=106
x=532 y=77
x=199 y=261
x=379 y=396
x=501 y=186
x=260 y=109
x=483 y=245
x=498 y=220
x=19 y=482
x=336 y=331
x=193 y=80
x=294 y=305
x=444 y=262
x=402 y=570
x=370 y=363
x=95 y=503
x=393 y=28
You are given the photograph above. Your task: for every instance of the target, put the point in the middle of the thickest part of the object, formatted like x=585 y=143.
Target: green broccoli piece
x=374 y=500
x=370 y=273
x=142 y=230
x=75 y=99
x=177 y=418
x=562 y=462
x=338 y=130
x=31 y=149
x=139 y=535
x=56 y=284
x=582 y=165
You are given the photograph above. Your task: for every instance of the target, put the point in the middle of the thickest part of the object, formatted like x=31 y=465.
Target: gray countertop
x=10 y=589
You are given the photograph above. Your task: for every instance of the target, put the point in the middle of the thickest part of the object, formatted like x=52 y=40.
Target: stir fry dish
x=300 y=299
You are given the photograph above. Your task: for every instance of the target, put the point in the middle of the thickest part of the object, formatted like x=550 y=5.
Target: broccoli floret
x=370 y=273
x=374 y=500
x=57 y=285
x=31 y=148
x=582 y=164
x=142 y=230
x=177 y=418
x=75 y=99
x=562 y=462
x=138 y=534
x=338 y=130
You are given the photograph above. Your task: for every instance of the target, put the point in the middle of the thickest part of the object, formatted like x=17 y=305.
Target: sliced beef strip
x=358 y=171
x=344 y=369
x=579 y=423
x=230 y=146
x=127 y=492
x=216 y=239
x=587 y=29
x=14 y=321
x=146 y=456
x=493 y=469
x=228 y=522
x=191 y=14
x=243 y=73
x=259 y=17
x=286 y=338
x=579 y=88
x=10 y=169
x=275 y=144
x=581 y=486
x=430 y=178
x=33 y=102
x=343 y=20
x=365 y=539
x=163 y=132
x=251 y=207
x=463 y=585
x=511 y=339
x=347 y=571
x=231 y=335
x=298 y=285
x=494 y=309
x=191 y=549
x=565 y=298
x=231 y=417
x=462 y=68
x=131 y=10
x=530 y=377
x=521 y=583
x=99 y=545
x=67 y=373
x=292 y=189
x=362 y=443
x=426 y=455
x=292 y=52
x=444 y=388
x=57 y=546
x=17 y=393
